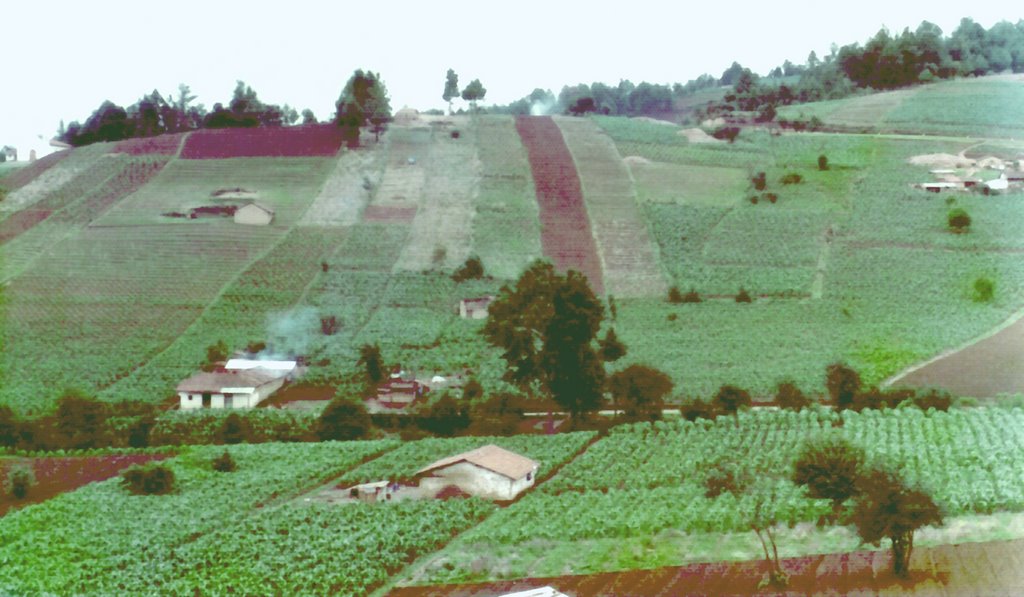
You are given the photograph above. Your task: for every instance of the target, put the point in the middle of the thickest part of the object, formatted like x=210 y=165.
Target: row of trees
x=472 y=93
x=363 y=102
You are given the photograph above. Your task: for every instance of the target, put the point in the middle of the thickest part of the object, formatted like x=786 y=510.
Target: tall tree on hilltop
x=364 y=101
x=451 y=88
x=546 y=326
x=474 y=92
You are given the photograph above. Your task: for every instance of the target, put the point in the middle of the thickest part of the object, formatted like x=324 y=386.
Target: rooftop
x=492 y=458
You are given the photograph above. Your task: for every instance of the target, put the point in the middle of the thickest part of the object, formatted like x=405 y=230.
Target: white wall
x=477 y=481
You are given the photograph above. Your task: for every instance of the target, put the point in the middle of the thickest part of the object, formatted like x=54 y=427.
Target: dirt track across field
x=991 y=366
x=992 y=568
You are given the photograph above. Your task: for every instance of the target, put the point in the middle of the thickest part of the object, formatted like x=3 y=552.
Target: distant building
x=475 y=308
x=489 y=472
x=254 y=214
x=227 y=389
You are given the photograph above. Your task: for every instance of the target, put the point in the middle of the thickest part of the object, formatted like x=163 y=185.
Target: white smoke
x=543 y=107
x=291 y=333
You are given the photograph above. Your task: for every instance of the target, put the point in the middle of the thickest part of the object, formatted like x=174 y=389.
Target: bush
x=692 y=297
x=472 y=390
x=843 y=384
x=456 y=134
x=771 y=197
x=472 y=269
x=729 y=133
x=958 y=220
x=722 y=479
x=674 y=296
x=234 y=430
x=984 y=290
x=224 y=463
x=150 y=479
x=759 y=181
x=743 y=296
x=20 y=480
x=934 y=399
x=792 y=178
x=343 y=420
x=730 y=399
x=822 y=162
x=788 y=396
x=694 y=409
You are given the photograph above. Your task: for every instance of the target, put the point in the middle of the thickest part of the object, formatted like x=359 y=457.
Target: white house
x=239 y=389
x=475 y=308
x=254 y=214
x=489 y=472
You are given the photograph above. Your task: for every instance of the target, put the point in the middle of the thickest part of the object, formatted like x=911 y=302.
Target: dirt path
x=993 y=568
x=628 y=255
x=983 y=369
x=566 y=235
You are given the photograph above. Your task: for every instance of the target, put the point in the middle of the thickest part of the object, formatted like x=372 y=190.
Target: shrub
x=936 y=399
x=692 y=297
x=456 y=134
x=771 y=197
x=792 y=178
x=729 y=133
x=958 y=220
x=472 y=269
x=830 y=468
x=672 y=316
x=674 y=296
x=20 y=479
x=822 y=162
x=150 y=479
x=722 y=479
x=343 y=419
x=753 y=199
x=984 y=290
x=759 y=181
x=743 y=296
x=234 y=430
x=694 y=409
x=788 y=396
x=224 y=463
x=842 y=384
x=730 y=399
x=472 y=390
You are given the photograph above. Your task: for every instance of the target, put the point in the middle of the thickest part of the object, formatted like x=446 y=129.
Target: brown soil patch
x=991 y=366
x=382 y=213
x=55 y=475
x=698 y=136
x=994 y=568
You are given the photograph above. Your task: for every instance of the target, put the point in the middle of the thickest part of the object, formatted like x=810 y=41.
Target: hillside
x=105 y=291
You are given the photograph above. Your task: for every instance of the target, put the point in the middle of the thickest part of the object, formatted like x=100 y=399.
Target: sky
x=65 y=58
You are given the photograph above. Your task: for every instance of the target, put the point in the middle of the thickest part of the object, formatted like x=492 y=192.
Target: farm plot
x=645 y=481
x=286 y=185
x=762 y=238
x=348 y=188
x=160 y=145
x=258 y=306
x=441 y=233
x=65 y=180
x=566 y=235
x=506 y=228
x=294 y=141
x=23 y=175
x=661 y=182
x=629 y=257
x=73 y=545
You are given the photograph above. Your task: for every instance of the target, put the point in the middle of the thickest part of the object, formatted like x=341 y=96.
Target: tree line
x=363 y=102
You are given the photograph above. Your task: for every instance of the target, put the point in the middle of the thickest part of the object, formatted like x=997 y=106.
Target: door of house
x=206 y=400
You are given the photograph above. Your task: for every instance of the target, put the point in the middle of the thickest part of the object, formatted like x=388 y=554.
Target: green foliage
x=215 y=353
x=344 y=419
x=843 y=384
x=639 y=391
x=722 y=478
x=446 y=417
x=224 y=463
x=474 y=92
x=19 y=482
x=451 y=88
x=822 y=162
x=830 y=467
x=149 y=479
x=472 y=269
x=363 y=101
x=958 y=220
x=731 y=399
x=984 y=290
x=80 y=421
x=791 y=178
x=234 y=430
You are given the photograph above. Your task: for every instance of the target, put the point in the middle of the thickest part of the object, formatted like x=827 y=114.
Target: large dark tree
x=80 y=421
x=889 y=508
x=842 y=384
x=363 y=102
x=343 y=419
x=451 y=88
x=730 y=399
x=474 y=92
x=373 y=363
x=830 y=468
x=639 y=392
x=546 y=326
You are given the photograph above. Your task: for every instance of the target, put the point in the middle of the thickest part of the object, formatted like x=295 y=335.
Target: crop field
x=506 y=228
x=15 y=176
x=663 y=182
x=647 y=480
x=161 y=145
x=566 y=234
x=348 y=188
x=629 y=259
x=73 y=173
x=297 y=141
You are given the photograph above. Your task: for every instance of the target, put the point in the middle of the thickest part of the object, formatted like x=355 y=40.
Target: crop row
x=297 y=141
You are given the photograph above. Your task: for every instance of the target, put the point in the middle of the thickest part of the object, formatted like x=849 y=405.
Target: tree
x=224 y=463
x=149 y=479
x=20 y=479
x=639 y=392
x=445 y=418
x=958 y=220
x=611 y=348
x=743 y=296
x=984 y=290
x=472 y=269
x=822 y=162
x=474 y=92
x=451 y=88
x=308 y=117
x=343 y=420
x=215 y=353
x=887 y=507
x=363 y=101
x=674 y=296
x=730 y=399
x=546 y=326
x=370 y=359
x=234 y=430
x=9 y=427
x=789 y=396
x=830 y=468
x=80 y=421
x=842 y=384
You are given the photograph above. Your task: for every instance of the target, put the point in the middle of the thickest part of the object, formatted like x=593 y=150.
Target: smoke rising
x=291 y=333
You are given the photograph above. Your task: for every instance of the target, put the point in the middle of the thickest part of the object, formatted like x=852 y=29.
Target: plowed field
x=296 y=141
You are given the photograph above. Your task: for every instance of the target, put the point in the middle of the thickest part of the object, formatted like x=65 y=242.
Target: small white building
x=226 y=389
x=489 y=472
x=254 y=214
x=475 y=308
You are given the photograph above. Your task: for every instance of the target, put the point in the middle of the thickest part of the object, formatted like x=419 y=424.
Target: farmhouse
x=475 y=308
x=489 y=472
x=227 y=389
x=254 y=214
x=399 y=393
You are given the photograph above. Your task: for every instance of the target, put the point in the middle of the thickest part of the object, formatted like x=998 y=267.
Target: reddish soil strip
x=994 y=568
x=984 y=369
x=55 y=475
x=384 y=213
x=20 y=222
x=292 y=141
x=23 y=176
x=160 y=145
x=565 y=229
